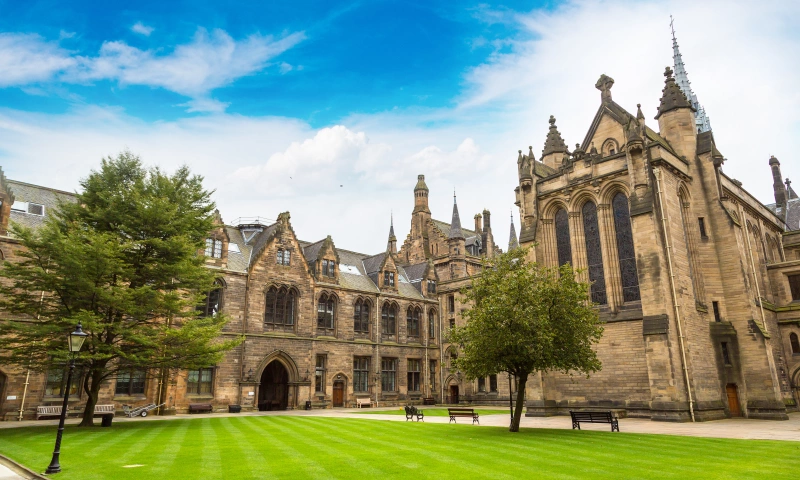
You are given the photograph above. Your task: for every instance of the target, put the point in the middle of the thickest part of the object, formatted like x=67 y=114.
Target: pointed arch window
x=562 y=237
x=361 y=312
x=389 y=320
x=212 y=303
x=594 y=253
x=432 y=324
x=280 y=308
x=326 y=314
x=795 y=344
x=625 y=250
x=412 y=322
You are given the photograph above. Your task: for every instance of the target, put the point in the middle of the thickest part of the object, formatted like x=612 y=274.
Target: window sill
x=200 y=396
x=129 y=398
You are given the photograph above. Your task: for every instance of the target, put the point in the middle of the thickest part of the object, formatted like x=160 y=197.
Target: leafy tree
x=526 y=318
x=122 y=260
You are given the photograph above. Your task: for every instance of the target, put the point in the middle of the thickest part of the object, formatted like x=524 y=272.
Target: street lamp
x=76 y=340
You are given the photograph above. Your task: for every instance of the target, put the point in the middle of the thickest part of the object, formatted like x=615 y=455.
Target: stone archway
x=273 y=392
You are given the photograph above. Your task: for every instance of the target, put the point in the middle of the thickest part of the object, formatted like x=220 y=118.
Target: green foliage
x=122 y=260
x=526 y=318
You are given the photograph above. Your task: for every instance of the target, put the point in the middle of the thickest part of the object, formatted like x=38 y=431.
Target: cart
x=140 y=411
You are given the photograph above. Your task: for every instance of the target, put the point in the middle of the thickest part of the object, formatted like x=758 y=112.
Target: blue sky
x=330 y=110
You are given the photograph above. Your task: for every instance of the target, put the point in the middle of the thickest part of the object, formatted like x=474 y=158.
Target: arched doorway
x=273 y=393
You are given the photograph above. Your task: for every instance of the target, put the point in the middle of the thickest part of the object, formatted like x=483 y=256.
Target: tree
x=526 y=318
x=123 y=260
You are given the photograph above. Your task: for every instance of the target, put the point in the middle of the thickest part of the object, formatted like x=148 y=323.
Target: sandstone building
x=698 y=284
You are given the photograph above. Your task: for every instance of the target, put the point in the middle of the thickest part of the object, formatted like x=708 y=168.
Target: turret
x=676 y=118
x=421 y=196
x=778 y=188
x=554 y=146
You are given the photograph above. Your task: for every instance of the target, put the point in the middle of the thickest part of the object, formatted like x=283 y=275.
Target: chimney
x=777 y=183
x=478 y=222
x=487 y=225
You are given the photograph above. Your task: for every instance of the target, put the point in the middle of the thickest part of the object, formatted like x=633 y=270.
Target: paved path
x=729 y=428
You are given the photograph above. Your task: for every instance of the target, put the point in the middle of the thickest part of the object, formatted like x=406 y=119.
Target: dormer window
x=431 y=286
x=329 y=268
x=283 y=257
x=388 y=279
x=213 y=248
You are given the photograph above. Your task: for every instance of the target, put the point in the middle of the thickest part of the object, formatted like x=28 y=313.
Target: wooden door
x=338 y=394
x=454 y=394
x=733 y=400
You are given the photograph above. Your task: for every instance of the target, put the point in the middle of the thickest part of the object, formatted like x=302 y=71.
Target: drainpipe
x=377 y=348
x=668 y=246
x=28 y=371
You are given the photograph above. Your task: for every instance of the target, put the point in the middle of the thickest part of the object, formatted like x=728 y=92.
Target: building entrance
x=338 y=393
x=273 y=393
x=733 y=400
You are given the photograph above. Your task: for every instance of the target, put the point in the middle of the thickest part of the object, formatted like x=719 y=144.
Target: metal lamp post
x=510 y=400
x=76 y=340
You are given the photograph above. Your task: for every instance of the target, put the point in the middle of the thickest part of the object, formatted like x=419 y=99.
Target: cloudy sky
x=330 y=110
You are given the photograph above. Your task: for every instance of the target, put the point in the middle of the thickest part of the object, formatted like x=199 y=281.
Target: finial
x=552 y=121
x=454 y=196
x=391 y=218
x=604 y=84
x=530 y=151
x=668 y=73
x=672 y=27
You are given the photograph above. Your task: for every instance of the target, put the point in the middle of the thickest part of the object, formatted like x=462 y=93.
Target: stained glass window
x=627 y=255
x=594 y=253
x=562 y=237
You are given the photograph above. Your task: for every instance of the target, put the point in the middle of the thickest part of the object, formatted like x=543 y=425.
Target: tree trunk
x=522 y=380
x=91 y=385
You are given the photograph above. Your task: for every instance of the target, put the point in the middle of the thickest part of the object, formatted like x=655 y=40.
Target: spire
x=554 y=143
x=702 y=122
x=455 y=224
x=391 y=245
x=672 y=97
x=512 y=237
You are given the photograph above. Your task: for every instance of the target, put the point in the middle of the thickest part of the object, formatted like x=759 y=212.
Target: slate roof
x=373 y=264
x=444 y=227
x=25 y=192
x=415 y=272
x=238 y=261
x=311 y=252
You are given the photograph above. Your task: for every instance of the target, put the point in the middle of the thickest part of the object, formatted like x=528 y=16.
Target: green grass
x=431 y=411
x=275 y=447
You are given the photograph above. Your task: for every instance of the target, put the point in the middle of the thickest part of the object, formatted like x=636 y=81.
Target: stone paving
x=729 y=428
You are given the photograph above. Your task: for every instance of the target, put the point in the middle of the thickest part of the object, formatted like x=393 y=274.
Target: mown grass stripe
x=255 y=462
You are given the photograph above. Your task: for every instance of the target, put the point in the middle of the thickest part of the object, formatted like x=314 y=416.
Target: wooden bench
x=361 y=402
x=200 y=407
x=594 y=417
x=55 y=410
x=412 y=412
x=463 y=412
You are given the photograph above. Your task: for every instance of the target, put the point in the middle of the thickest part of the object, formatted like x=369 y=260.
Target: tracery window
x=562 y=237
x=361 y=374
x=432 y=324
x=594 y=253
x=625 y=250
x=326 y=308
x=412 y=321
x=212 y=303
x=279 y=307
x=388 y=319
x=361 y=312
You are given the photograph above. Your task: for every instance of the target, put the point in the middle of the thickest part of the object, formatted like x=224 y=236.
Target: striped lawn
x=275 y=447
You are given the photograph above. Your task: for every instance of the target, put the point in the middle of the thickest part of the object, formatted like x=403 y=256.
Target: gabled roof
x=612 y=109
x=26 y=192
x=311 y=251
x=416 y=272
x=373 y=264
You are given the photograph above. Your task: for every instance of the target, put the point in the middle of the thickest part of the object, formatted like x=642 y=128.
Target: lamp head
x=77 y=338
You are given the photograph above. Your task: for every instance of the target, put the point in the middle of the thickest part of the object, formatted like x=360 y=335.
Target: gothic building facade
x=696 y=281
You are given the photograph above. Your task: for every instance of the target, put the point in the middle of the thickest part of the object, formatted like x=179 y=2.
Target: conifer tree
x=125 y=260
x=526 y=318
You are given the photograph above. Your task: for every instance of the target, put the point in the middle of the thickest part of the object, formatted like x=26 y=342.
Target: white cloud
x=142 y=29
x=285 y=68
x=28 y=58
x=210 y=61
